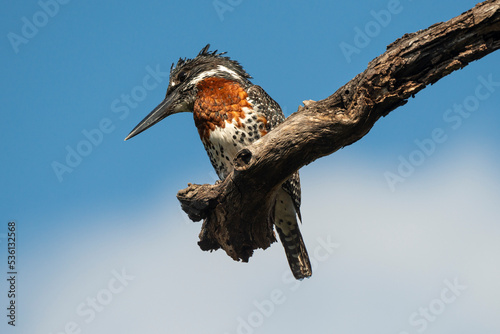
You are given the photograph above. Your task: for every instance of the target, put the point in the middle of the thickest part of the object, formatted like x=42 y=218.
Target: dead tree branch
x=236 y=210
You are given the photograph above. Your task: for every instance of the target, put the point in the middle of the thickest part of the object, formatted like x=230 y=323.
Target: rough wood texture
x=236 y=210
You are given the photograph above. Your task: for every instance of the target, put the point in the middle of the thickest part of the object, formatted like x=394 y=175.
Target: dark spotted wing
x=263 y=103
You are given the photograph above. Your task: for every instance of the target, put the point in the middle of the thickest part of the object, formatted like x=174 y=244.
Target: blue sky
x=103 y=246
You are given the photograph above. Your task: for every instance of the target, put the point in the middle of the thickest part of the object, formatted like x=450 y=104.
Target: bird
x=231 y=113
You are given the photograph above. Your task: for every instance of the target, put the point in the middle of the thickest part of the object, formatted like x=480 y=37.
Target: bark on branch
x=236 y=210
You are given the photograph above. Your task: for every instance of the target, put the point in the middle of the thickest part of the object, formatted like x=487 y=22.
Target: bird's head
x=183 y=84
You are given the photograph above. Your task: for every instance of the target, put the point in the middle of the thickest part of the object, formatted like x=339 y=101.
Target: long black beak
x=163 y=110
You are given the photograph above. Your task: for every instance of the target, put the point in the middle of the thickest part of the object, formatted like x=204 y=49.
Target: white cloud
x=396 y=250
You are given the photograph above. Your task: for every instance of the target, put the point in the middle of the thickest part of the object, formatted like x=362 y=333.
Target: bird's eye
x=182 y=76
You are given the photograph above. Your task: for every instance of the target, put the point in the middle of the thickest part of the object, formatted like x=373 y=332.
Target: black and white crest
x=206 y=64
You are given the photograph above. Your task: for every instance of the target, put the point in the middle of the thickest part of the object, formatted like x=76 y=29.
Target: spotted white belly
x=224 y=143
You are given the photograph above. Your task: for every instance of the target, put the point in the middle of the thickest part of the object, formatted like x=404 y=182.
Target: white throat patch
x=211 y=73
